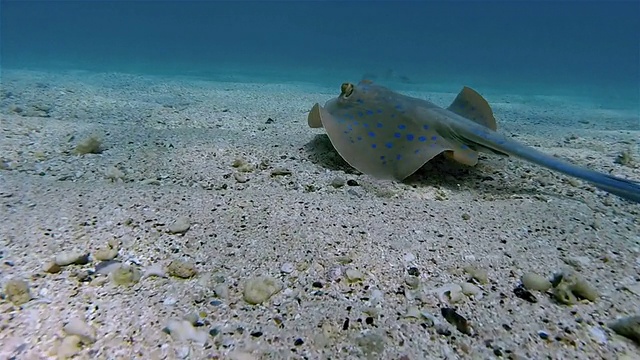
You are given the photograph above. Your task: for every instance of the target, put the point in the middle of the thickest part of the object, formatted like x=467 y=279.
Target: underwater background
x=586 y=48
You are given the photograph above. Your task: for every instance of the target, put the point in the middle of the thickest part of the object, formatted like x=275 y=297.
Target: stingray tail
x=626 y=189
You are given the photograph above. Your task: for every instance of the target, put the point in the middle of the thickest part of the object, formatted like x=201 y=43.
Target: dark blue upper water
x=589 y=47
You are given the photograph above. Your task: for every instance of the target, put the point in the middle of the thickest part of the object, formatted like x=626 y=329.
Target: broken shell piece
x=451 y=293
x=470 y=289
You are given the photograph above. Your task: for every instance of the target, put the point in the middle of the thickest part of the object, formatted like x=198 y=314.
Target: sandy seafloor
x=175 y=142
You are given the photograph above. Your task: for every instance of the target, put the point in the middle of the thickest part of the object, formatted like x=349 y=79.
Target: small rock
x=155 y=270
x=108 y=252
x=456 y=320
x=107 y=267
x=84 y=331
x=628 y=327
x=182 y=352
x=338 y=182
x=126 y=275
x=90 y=145
x=240 y=178
x=371 y=344
x=221 y=291
x=17 y=291
x=69 y=347
x=183 y=330
x=71 y=258
x=525 y=294
x=598 y=335
x=354 y=275
x=532 y=281
x=180 y=226
x=260 y=289
x=51 y=267
x=280 y=171
x=287 y=268
x=181 y=269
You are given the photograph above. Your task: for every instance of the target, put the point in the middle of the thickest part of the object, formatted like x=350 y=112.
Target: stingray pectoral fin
x=468 y=157
x=314 y=118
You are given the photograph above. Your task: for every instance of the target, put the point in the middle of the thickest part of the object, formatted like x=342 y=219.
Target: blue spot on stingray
x=374 y=146
x=379 y=111
x=416 y=151
x=425 y=127
x=402 y=126
x=359 y=138
x=397 y=135
x=369 y=112
x=389 y=145
x=382 y=157
x=379 y=125
x=398 y=106
x=410 y=137
x=355 y=123
x=434 y=138
x=365 y=125
x=360 y=113
x=422 y=139
x=398 y=157
x=372 y=134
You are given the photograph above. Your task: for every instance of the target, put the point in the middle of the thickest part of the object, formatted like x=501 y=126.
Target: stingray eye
x=346 y=90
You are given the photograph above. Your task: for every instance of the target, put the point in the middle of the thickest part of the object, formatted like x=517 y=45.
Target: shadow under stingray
x=438 y=172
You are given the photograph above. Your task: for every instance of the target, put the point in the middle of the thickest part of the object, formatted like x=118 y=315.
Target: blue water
x=588 y=48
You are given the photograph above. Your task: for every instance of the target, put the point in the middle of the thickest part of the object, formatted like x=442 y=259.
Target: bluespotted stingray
x=390 y=136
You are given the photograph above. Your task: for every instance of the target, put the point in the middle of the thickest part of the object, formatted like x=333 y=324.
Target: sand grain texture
x=174 y=143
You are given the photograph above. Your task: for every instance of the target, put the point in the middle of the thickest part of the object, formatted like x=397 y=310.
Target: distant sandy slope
x=175 y=142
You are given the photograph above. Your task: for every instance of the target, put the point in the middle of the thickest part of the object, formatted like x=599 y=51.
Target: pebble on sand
x=628 y=327
x=181 y=269
x=17 y=291
x=533 y=281
x=71 y=258
x=183 y=330
x=260 y=289
x=180 y=226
